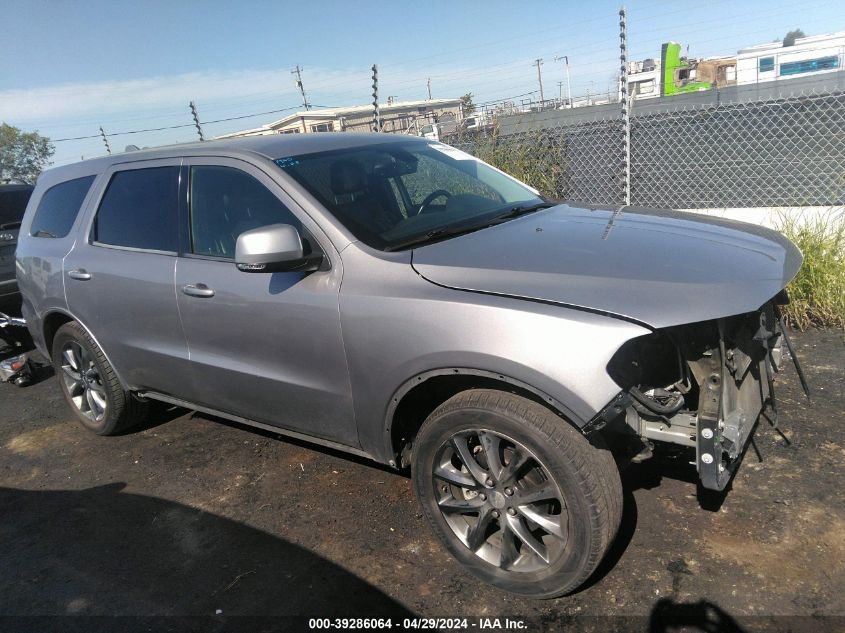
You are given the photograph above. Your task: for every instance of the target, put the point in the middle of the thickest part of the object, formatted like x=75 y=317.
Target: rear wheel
x=90 y=385
x=516 y=494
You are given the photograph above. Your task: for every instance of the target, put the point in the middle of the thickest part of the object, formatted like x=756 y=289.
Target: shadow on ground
x=103 y=551
x=669 y=616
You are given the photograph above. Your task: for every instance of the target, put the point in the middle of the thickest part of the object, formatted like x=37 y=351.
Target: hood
x=659 y=268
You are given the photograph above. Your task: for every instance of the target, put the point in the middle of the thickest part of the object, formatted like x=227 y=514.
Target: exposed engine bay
x=702 y=385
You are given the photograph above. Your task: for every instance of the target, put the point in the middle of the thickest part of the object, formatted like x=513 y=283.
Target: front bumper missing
x=732 y=363
x=737 y=388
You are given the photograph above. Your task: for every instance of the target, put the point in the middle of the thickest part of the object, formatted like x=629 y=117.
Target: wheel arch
x=418 y=396
x=53 y=320
x=51 y=323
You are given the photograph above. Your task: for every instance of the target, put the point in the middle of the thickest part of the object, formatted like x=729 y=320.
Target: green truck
x=679 y=75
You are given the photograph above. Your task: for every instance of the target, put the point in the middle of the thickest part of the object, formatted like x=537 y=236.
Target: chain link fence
x=784 y=152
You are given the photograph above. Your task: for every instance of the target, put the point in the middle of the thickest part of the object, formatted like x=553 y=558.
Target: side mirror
x=274 y=248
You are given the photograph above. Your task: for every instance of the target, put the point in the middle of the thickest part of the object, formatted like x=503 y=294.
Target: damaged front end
x=702 y=385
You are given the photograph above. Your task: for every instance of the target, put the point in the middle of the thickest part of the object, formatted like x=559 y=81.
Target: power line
x=573 y=52
x=569 y=26
x=473 y=72
x=524 y=94
x=176 y=127
x=455 y=75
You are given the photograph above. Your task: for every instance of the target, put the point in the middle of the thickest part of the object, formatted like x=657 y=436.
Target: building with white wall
x=396 y=116
x=776 y=62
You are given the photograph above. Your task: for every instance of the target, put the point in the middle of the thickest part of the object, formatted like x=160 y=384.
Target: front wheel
x=515 y=493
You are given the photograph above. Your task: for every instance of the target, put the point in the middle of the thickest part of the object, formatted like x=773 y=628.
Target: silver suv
x=396 y=298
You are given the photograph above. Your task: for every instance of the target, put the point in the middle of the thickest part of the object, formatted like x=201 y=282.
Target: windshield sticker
x=286 y=162
x=452 y=152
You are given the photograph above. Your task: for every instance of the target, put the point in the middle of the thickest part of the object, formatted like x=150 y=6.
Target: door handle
x=197 y=290
x=80 y=275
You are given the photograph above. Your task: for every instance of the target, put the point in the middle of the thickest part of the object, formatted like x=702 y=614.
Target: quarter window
x=59 y=207
x=140 y=210
x=225 y=202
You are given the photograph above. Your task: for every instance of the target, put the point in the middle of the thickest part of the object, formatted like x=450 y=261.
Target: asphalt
x=194 y=523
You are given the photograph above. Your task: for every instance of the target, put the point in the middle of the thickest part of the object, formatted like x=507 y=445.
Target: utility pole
x=298 y=72
x=376 y=116
x=196 y=120
x=539 y=62
x=428 y=82
x=623 y=91
x=105 y=140
x=565 y=59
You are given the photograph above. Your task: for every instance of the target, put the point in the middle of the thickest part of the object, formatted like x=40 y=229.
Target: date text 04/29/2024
x=414 y=624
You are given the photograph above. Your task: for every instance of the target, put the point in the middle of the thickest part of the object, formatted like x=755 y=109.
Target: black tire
x=586 y=477
x=121 y=411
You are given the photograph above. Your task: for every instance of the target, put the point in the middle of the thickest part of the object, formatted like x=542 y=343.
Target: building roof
x=335 y=113
x=799 y=42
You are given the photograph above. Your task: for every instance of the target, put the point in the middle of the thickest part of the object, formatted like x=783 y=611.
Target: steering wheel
x=431 y=198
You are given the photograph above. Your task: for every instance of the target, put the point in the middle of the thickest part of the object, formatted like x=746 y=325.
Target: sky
x=68 y=68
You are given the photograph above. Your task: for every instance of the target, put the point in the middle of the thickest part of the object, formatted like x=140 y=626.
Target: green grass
x=817 y=293
x=531 y=157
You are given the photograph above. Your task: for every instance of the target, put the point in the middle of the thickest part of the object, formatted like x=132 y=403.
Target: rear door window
x=59 y=207
x=140 y=210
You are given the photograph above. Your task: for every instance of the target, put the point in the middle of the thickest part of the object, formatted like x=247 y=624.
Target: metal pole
x=376 y=115
x=196 y=120
x=565 y=59
x=539 y=62
x=105 y=140
x=298 y=72
x=428 y=82
x=623 y=90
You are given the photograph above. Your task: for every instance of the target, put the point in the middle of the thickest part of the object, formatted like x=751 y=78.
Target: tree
x=790 y=38
x=23 y=155
x=467 y=105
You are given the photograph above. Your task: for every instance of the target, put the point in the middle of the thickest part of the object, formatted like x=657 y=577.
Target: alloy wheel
x=500 y=501
x=83 y=381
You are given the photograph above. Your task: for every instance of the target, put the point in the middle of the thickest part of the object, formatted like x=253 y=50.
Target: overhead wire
x=448 y=77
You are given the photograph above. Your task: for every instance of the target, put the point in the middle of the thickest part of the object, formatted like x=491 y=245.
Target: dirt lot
x=196 y=517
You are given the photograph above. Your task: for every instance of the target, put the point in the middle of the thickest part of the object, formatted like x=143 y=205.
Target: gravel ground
x=205 y=519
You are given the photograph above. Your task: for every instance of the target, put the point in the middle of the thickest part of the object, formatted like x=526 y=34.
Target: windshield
x=395 y=194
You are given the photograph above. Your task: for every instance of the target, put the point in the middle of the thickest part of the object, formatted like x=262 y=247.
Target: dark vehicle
x=13 y=201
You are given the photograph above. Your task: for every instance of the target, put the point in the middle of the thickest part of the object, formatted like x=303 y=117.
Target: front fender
x=392 y=341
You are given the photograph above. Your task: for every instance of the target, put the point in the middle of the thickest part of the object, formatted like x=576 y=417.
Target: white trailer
x=775 y=62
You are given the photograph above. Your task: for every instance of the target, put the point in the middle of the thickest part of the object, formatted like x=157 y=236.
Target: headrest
x=348 y=177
